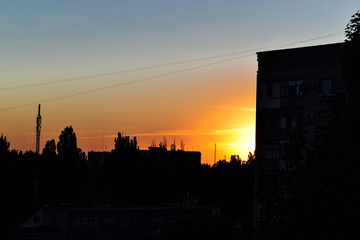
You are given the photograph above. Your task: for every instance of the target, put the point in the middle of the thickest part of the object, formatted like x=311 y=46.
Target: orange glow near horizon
x=218 y=107
x=182 y=73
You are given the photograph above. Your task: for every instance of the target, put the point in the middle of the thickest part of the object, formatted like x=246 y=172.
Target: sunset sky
x=180 y=69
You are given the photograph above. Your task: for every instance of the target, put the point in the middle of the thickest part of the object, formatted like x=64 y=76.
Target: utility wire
x=122 y=84
x=31 y=85
x=313 y=39
x=148 y=78
x=113 y=73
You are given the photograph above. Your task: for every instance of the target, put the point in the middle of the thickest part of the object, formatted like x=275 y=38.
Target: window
x=263 y=90
x=268 y=90
x=270 y=151
x=283 y=122
x=292 y=88
x=287 y=122
x=326 y=87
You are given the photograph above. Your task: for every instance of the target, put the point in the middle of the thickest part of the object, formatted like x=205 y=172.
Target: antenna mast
x=38 y=129
x=215 y=155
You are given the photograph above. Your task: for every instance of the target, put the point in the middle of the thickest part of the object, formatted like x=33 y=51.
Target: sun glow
x=243 y=144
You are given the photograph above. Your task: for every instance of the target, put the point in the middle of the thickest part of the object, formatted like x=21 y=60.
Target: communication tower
x=38 y=129
x=215 y=155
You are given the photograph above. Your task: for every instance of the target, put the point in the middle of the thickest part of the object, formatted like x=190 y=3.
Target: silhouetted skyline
x=301 y=182
x=62 y=177
x=212 y=103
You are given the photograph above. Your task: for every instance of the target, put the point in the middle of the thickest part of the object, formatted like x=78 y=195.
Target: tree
x=67 y=147
x=4 y=144
x=124 y=153
x=124 y=143
x=72 y=162
x=163 y=144
x=251 y=158
x=50 y=148
x=173 y=146
x=352 y=56
x=352 y=29
x=4 y=150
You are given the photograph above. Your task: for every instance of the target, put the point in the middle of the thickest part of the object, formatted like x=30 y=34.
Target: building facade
x=293 y=87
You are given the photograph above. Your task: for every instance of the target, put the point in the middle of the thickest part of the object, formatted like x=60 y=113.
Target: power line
x=118 y=72
x=31 y=85
x=148 y=78
x=316 y=38
x=122 y=84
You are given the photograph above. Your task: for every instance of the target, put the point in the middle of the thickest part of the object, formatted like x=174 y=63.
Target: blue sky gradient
x=44 y=41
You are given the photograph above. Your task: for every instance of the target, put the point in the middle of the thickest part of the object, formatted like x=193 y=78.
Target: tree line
x=61 y=174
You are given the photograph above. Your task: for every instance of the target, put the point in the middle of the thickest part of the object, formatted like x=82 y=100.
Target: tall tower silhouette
x=38 y=129
x=215 y=155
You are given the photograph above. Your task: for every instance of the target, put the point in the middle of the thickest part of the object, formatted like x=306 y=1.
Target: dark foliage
x=127 y=178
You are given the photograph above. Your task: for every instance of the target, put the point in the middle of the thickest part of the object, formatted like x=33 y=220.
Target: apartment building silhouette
x=293 y=87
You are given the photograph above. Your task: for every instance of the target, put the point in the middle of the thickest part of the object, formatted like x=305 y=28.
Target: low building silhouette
x=179 y=160
x=156 y=157
x=108 y=222
x=98 y=158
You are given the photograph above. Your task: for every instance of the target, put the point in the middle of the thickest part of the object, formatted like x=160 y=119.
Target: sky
x=184 y=70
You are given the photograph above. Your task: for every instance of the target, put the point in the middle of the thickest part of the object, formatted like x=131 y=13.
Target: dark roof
x=305 y=50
